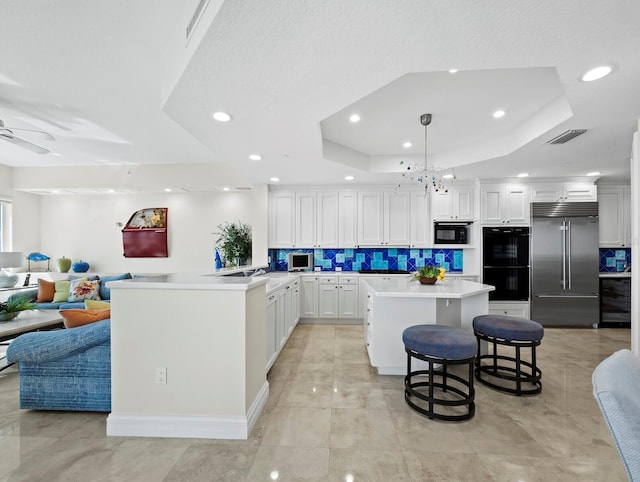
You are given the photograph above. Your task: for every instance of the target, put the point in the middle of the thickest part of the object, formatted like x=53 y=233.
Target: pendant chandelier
x=427 y=176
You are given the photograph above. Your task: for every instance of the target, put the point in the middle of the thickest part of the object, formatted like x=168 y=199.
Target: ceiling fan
x=6 y=133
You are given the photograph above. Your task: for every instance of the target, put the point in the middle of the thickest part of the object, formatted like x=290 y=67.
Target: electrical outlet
x=338 y=268
x=161 y=376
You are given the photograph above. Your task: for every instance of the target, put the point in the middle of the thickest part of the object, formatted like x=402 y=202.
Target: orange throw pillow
x=46 y=290
x=77 y=317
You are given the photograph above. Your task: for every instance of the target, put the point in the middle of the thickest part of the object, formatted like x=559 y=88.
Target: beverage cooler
x=145 y=234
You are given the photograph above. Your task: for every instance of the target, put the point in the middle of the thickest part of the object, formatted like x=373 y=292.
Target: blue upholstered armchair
x=616 y=387
x=65 y=369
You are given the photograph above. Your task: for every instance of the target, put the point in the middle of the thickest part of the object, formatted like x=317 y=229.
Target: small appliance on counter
x=451 y=233
x=300 y=261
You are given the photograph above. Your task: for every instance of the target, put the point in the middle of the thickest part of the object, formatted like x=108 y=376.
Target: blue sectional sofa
x=65 y=369
x=105 y=293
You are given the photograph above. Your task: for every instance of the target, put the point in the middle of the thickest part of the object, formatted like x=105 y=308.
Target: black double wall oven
x=505 y=262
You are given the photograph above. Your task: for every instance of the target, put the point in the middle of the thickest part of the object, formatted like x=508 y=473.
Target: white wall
x=84 y=227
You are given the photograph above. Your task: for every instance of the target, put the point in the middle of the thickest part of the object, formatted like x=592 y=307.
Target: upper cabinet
x=614 y=207
x=316 y=219
x=282 y=211
x=505 y=204
x=384 y=218
x=420 y=222
x=457 y=204
x=348 y=219
x=568 y=191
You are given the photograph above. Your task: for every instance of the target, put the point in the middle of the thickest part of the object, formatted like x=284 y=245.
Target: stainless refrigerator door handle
x=569 y=271
x=566 y=296
x=564 y=255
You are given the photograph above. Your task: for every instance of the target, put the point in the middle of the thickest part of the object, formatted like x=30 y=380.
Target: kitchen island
x=396 y=304
x=187 y=356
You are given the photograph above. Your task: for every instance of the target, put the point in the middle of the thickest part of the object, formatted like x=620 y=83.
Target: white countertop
x=179 y=281
x=620 y=274
x=405 y=288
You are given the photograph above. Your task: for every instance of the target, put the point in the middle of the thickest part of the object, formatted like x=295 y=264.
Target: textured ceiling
x=92 y=74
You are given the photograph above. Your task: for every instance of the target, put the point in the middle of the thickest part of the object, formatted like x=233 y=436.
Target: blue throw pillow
x=105 y=293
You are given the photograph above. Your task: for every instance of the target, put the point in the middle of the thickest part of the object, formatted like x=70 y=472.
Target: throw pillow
x=46 y=291
x=62 y=291
x=105 y=293
x=96 y=305
x=74 y=318
x=82 y=289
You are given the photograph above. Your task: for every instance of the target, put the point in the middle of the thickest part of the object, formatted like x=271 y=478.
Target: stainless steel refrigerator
x=565 y=264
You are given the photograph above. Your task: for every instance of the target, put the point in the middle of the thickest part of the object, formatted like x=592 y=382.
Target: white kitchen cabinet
x=288 y=310
x=273 y=348
x=295 y=305
x=505 y=204
x=316 y=221
x=328 y=303
x=282 y=215
x=420 y=223
x=455 y=204
x=338 y=297
x=309 y=300
x=384 y=218
x=281 y=320
x=509 y=309
x=348 y=219
x=567 y=191
x=362 y=292
x=370 y=218
x=614 y=209
x=397 y=218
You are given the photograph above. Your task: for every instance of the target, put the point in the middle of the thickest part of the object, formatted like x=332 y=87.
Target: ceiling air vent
x=566 y=136
x=196 y=16
x=243 y=188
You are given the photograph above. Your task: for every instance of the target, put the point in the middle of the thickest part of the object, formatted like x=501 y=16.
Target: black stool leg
x=430 y=390
x=518 y=371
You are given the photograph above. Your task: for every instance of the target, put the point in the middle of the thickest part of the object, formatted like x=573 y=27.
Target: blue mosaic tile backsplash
x=614 y=259
x=373 y=258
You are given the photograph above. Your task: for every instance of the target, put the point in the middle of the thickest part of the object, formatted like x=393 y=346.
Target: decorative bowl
x=8 y=315
x=427 y=281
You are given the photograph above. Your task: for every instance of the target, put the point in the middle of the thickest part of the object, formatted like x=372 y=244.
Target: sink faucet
x=259 y=272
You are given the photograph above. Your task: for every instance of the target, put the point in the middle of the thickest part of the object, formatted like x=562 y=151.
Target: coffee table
x=28 y=321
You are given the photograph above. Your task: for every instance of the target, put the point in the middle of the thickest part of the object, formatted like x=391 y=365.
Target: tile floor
x=331 y=418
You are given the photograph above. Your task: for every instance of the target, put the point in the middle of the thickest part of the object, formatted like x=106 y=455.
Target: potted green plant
x=13 y=306
x=234 y=240
x=427 y=275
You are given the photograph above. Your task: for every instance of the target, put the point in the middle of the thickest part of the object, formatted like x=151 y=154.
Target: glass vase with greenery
x=234 y=241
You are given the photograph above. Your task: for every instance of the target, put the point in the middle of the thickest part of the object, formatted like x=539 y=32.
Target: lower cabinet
x=283 y=313
x=338 y=297
x=309 y=297
x=509 y=309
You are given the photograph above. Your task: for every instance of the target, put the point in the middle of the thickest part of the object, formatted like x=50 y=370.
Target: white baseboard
x=181 y=426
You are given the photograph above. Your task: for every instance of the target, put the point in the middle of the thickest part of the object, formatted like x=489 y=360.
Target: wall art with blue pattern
x=614 y=259
x=373 y=258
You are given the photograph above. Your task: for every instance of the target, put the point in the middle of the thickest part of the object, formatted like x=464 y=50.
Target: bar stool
x=445 y=346
x=509 y=331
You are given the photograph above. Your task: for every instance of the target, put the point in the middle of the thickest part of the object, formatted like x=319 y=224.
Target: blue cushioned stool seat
x=443 y=346
x=514 y=332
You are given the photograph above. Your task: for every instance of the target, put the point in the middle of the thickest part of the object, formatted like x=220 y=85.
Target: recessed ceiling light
x=255 y=157
x=225 y=188
x=349 y=178
x=110 y=191
x=55 y=192
x=453 y=71
x=221 y=116
x=407 y=145
x=597 y=73
x=499 y=113
x=274 y=179
x=523 y=174
x=448 y=176
x=57 y=154
x=594 y=173
x=167 y=189
x=354 y=118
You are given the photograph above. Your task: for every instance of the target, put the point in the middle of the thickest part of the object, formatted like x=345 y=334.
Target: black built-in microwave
x=451 y=233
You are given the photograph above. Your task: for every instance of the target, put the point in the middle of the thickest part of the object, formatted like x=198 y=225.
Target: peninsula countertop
x=407 y=288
